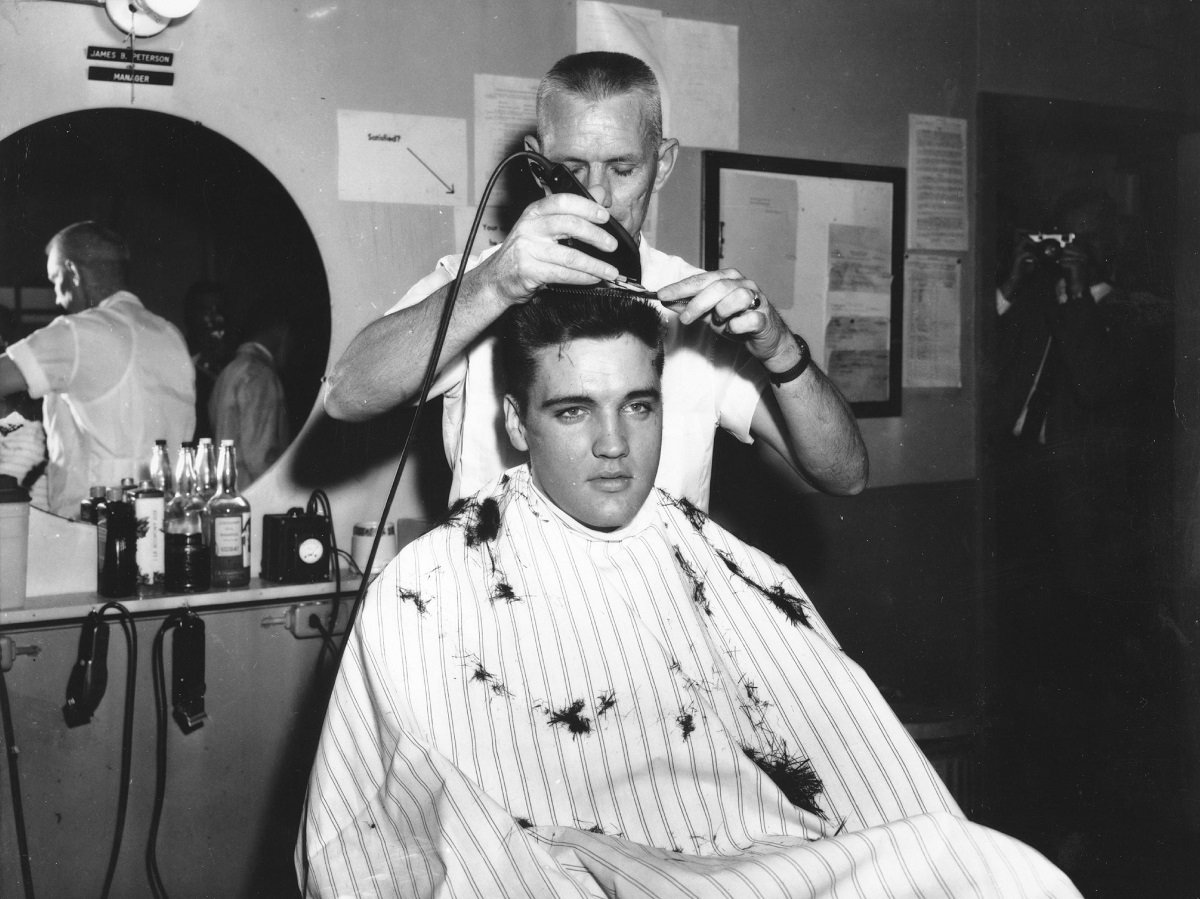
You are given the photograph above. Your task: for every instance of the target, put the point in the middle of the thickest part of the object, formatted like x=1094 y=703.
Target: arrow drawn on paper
x=449 y=187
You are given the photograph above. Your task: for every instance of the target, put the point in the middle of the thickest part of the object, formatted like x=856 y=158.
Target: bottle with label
x=149 y=511
x=206 y=469
x=161 y=475
x=87 y=507
x=116 y=534
x=185 y=538
x=229 y=523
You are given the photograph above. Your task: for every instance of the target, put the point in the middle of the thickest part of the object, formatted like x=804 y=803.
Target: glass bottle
x=87 y=507
x=129 y=487
x=187 y=452
x=185 y=526
x=206 y=469
x=117 y=575
x=161 y=475
x=149 y=511
x=229 y=524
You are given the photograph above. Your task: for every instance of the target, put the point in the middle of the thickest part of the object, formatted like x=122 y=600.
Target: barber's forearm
x=385 y=363
x=821 y=438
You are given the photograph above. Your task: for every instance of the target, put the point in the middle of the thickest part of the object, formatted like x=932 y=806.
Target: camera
x=1047 y=247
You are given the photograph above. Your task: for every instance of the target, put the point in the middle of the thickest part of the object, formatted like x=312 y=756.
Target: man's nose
x=611 y=442
x=597 y=185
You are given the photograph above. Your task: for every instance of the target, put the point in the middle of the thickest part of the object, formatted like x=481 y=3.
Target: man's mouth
x=612 y=482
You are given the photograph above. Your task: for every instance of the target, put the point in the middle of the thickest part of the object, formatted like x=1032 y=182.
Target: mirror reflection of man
x=248 y=403
x=114 y=376
x=581 y=686
x=731 y=360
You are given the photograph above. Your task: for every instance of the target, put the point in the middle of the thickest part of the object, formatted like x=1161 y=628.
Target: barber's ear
x=532 y=145
x=512 y=424
x=668 y=152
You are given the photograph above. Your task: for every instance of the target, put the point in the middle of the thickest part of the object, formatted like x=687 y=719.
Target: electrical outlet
x=300 y=618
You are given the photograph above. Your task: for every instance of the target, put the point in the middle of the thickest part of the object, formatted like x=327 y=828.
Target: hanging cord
x=431 y=369
x=126 y=737
x=320 y=499
x=160 y=750
x=14 y=782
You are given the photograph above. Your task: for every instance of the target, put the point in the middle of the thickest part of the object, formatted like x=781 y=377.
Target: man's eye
x=640 y=408
x=625 y=172
x=571 y=413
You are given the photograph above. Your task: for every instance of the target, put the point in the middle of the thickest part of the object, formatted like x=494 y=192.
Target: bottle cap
x=113 y=495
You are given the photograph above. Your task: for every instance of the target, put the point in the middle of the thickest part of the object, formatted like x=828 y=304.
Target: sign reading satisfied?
x=388 y=157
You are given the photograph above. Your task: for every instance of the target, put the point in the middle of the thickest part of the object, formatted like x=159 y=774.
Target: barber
x=115 y=376
x=731 y=359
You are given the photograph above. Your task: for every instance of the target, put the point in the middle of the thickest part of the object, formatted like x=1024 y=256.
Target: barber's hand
x=733 y=306
x=532 y=257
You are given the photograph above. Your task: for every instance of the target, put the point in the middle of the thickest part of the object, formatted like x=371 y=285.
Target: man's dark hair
x=555 y=318
x=598 y=75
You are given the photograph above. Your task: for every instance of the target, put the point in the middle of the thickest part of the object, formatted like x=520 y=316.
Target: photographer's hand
x=1075 y=263
x=1024 y=261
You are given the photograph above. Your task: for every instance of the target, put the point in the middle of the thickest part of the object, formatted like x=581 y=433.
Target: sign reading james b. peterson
x=121 y=54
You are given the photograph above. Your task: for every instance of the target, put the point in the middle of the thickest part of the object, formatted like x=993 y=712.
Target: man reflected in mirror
x=114 y=377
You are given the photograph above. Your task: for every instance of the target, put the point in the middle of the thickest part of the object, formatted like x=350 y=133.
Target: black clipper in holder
x=89 y=677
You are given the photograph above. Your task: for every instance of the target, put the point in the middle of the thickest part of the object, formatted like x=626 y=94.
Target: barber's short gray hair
x=598 y=75
x=90 y=243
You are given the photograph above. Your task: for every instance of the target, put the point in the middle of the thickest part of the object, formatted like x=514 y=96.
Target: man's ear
x=512 y=423
x=532 y=145
x=668 y=152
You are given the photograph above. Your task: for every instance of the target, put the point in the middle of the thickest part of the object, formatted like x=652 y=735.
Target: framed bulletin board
x=825 y=243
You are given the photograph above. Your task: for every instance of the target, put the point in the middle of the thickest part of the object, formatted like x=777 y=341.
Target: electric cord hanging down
x=130 y=632
x=14 y=782
x=431 y=368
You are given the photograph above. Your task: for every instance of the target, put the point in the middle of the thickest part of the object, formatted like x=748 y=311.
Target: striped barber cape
x=528 y=707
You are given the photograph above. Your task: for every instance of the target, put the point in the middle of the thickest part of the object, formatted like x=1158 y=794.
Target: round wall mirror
x=200 y=214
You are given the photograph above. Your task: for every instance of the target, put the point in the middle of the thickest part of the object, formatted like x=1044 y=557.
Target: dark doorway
x=1085 y=749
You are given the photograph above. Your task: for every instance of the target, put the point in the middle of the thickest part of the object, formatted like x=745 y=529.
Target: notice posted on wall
x=937 y=183
x=932 y=321
x=505 y=114
x=388 y=157
x=696 y=63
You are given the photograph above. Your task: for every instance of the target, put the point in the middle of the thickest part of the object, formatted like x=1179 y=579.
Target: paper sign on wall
x=387 y=157
x=695 y=62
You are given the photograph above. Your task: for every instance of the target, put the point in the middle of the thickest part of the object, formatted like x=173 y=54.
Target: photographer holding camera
x=1081 y=450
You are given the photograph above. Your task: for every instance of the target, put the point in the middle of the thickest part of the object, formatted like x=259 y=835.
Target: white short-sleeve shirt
x=115 y=379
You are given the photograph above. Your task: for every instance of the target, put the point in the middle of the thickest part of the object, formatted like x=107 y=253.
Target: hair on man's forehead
x=557 y=318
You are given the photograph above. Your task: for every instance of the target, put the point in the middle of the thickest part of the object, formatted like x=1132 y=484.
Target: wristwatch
x=782 y=377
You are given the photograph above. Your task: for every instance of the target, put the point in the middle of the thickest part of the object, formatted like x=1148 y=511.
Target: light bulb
x=169 y=9
x=131 y=18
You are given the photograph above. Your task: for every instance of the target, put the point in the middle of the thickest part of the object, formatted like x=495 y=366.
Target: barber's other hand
x=733 y=306
x=532 y=257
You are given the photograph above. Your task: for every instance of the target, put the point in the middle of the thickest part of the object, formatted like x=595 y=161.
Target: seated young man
x=580 y=686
